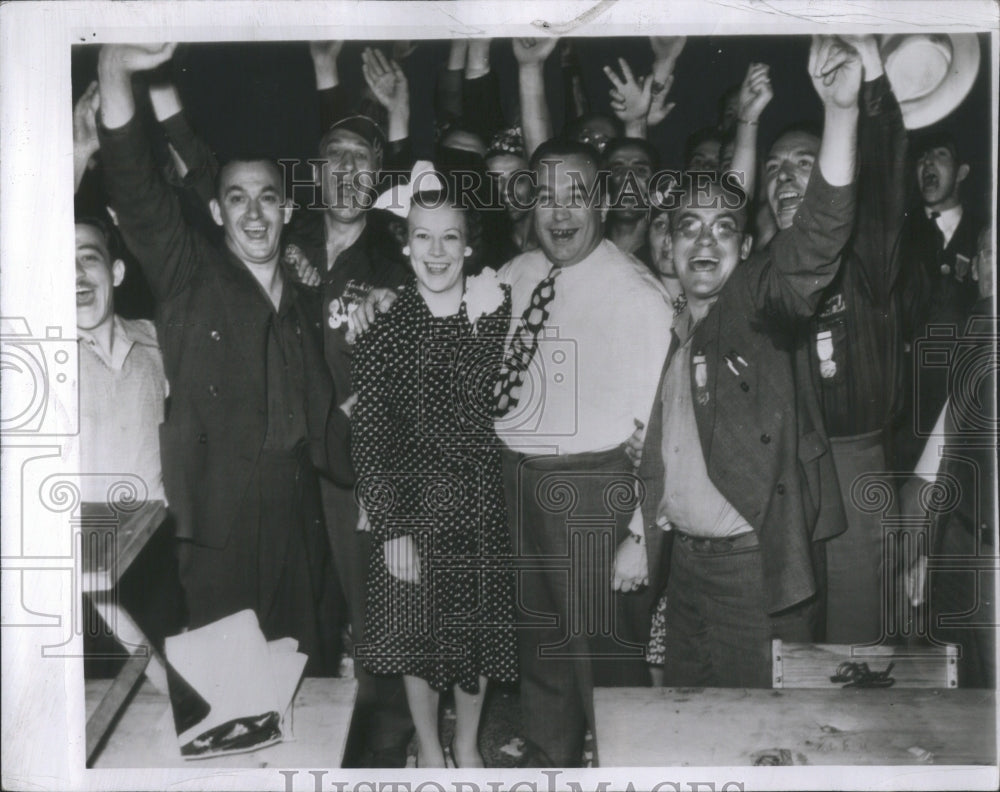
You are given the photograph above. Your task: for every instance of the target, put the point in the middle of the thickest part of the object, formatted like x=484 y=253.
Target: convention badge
x=962 y=266
x=945 y=269
x=824 y=349
x=701 y=378
x=338 y=313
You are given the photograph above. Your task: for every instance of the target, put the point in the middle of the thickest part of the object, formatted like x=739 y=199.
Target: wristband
x=748 y=123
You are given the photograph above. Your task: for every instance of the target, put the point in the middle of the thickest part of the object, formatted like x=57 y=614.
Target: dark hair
x=732 y=90
x=574 y=127
x=618 y=143
x=108 y=232
x=247 y=157
x=726 y=183
x=562 y=147
x=699 y=136
x=924 y=141
x=805 y=126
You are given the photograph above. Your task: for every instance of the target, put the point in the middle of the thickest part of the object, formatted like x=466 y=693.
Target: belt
x=723 y=544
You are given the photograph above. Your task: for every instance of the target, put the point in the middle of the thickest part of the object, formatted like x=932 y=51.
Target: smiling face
x=786 y=174
x=515 y=191
x=349 y=174
x=437 y=248
x=938 y=176
x=708 y=243
x=631 y=170
x=96 y=277
x=569 y=215
x=249 y=209
x=705 y=157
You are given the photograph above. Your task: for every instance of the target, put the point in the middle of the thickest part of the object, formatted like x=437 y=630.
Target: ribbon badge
x=824 y=348
x=701 y=378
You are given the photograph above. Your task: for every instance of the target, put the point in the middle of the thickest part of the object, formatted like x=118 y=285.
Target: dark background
x=260 y=96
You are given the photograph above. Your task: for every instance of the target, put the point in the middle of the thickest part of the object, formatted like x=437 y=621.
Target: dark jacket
x=860 y=308
x=762 y=431
x=212 y=322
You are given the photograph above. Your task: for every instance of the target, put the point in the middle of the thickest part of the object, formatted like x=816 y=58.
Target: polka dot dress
x=428 y=464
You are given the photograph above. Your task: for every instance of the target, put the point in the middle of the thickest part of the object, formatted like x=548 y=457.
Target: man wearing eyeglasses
x=736 y=462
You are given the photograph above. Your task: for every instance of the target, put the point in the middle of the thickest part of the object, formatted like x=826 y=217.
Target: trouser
x=962 y=604
x=718 y=630
x=382 y=716
x=567 y=516
x=855 y=558
x=275 y=562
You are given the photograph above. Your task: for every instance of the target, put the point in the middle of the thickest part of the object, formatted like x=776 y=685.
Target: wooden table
x=111 y=538
x=145 y=735
x=718 y=727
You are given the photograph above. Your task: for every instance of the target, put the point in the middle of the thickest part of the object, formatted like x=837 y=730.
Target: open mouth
x=437 y=267
x=563 y=234
x=929 y=181
x=85 y=294
x=703 y=263
x=256 y=232
x=788 y=200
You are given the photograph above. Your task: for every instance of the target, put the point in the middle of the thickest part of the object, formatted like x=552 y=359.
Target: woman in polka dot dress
x=440 y=590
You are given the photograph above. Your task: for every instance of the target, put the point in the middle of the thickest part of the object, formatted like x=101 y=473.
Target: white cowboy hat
x=930 y=74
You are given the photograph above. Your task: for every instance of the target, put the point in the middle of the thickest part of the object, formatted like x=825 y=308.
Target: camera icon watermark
x=39 y=381
x=548 y=398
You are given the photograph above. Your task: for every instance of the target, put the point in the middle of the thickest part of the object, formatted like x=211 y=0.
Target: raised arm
x=882 y=173
x=333 y=104
x=755 y=94
x=804 y=258
x=85 y=142
x=195 y=161
x=481 y=109
x=149 y=213
x=536 y=123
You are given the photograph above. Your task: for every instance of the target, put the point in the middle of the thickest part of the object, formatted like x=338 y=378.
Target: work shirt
x=691 y=502
x=121 y=409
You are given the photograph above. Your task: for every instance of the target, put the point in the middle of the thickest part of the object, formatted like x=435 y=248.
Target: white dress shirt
x=947 y=221
x=600 y=355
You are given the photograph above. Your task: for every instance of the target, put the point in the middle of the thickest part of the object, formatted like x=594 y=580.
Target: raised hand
x=630 y=98
x=755 y=92
x=115 y=66
x=325 y=50
x=533 y=51
x=667 y=48
x=132 y=58
x=868 y=51
x=835 y=70
x=659 y=107
x=85 y=142
x=386 y=80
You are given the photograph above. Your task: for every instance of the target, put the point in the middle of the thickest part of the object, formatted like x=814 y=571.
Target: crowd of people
x=539 y=412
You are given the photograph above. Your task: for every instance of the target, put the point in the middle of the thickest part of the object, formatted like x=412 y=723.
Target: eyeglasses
x=724 y=228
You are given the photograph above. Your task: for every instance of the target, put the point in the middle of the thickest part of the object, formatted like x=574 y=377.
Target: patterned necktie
x=524 y=344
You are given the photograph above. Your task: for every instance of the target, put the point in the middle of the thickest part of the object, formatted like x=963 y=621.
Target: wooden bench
x=802 y=665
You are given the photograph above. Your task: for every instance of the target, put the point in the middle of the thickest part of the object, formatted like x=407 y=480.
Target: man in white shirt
x=122 y=384
x=594 y=325
x=122 y=392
